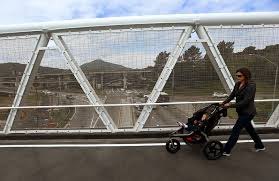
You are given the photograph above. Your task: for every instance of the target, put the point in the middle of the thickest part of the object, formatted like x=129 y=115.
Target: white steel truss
x=215 y=58
x=27 y=78
x=85 y=85
x=172 y=59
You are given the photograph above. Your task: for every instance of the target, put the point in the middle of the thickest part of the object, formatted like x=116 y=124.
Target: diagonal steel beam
x=216 y=59
x=83 y=82
x=27 y=79
x=274 y=118
x=172 y=59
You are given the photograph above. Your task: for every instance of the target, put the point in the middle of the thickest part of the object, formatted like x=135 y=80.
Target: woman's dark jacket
x=245 y=97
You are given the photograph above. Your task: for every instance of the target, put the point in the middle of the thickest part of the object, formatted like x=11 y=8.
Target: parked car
x=219 y=95
x=70 y=97
x=164 y=97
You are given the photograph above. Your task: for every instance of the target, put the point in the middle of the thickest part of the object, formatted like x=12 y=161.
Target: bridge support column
x=102 y=81
x=124 y=81
x=94 y=82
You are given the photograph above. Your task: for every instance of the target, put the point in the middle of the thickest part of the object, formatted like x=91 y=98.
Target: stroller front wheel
x=173 y=145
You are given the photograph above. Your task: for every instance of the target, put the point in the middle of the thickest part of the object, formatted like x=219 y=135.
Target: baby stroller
x=196 y=131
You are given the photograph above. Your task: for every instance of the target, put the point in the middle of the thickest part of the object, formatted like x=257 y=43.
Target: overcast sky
x=25 y=11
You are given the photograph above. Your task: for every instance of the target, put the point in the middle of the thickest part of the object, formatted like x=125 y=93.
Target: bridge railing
x=83 y=118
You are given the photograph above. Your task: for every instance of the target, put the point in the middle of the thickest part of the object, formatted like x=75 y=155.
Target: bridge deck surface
x=88 y=160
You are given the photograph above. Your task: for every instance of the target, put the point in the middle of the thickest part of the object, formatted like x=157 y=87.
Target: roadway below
x=133 y=159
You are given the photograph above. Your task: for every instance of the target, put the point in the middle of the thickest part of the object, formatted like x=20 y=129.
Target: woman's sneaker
x=259 y=149
x=226 y=154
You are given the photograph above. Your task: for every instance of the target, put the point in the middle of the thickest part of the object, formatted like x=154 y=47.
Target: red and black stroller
x=196 y=131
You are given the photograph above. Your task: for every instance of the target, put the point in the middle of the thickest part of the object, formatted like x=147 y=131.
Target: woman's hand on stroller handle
x=227 y=105
x=224 y=105
x=182 y=124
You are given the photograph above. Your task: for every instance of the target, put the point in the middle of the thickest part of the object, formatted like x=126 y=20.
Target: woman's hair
x=246 y=73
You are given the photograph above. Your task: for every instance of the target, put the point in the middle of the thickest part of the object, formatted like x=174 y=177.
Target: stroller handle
x=219 y=105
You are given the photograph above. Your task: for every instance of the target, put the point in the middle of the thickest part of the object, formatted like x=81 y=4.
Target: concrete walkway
x=85 y=160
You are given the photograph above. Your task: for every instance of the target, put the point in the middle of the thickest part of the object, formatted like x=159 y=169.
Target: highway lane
x=165 y=116
x=126 y=116
x=82 y=117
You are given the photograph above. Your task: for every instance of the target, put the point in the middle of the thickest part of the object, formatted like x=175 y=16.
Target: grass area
x=60 y=116
x=32 y=99
x=6 y=101
x=202 y=89
x=264 y=111
x=4 y=114
x=264 y=90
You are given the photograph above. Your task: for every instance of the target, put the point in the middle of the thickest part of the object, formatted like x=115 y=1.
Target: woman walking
x=244 y=91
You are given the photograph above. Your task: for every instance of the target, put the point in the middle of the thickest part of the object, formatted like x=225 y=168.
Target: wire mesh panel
x=257 y=48
x=55 y=84
x=15 y=53
x=253 y=47
x=192 y=79
x=51 y=79
x=121 y=65
x=3 y=117
x=57 y=118
x=264 y=111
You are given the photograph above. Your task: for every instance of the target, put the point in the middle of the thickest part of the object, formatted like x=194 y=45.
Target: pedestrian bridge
x=133 y=74
x=125 y=82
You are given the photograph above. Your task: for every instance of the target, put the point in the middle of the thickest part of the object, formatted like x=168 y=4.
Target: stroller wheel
x=173 y=145
x=213 y=150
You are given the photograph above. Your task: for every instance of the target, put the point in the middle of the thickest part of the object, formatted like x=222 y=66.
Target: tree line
x=262 y=62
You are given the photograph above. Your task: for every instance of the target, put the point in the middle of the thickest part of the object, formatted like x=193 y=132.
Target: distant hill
x=50 y=70
x=9 y=69
x=99 y=65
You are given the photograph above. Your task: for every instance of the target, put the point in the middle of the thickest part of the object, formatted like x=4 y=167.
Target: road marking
x=73 y=114
x=110 y=145
x=95 y=122
x=91 y=123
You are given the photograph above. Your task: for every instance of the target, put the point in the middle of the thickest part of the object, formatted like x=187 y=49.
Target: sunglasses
x=238 y=75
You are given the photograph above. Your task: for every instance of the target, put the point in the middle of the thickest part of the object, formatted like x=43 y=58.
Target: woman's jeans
x=243 y=121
